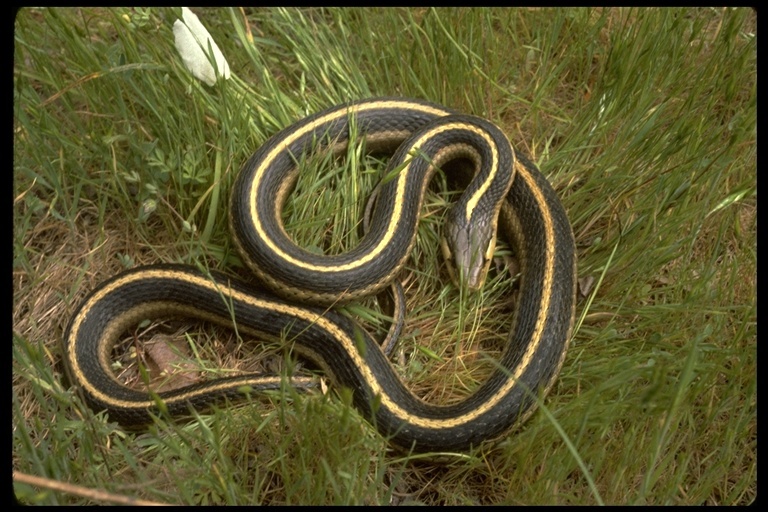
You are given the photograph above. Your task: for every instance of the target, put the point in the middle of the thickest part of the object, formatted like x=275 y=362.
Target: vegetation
x=644 y=120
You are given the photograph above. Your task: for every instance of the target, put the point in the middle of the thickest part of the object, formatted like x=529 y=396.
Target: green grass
x=643 y=120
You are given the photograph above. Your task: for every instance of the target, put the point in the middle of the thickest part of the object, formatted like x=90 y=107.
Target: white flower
x=192 y=41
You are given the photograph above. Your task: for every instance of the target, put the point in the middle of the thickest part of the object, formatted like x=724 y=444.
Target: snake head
x=468 y=250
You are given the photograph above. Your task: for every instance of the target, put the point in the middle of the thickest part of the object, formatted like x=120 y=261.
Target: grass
x=644 y=120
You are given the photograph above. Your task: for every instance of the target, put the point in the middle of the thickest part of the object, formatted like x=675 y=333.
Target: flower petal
x=192 y=40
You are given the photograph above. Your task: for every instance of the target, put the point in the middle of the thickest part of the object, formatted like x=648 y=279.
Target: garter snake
x=423 y=137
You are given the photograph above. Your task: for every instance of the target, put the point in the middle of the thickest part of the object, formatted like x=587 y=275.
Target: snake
x=295 y=288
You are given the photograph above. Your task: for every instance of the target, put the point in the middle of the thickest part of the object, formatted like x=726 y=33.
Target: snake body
x=506 y=191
